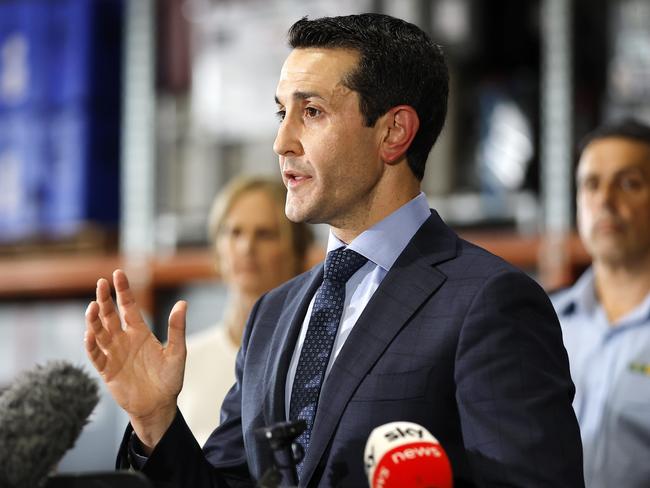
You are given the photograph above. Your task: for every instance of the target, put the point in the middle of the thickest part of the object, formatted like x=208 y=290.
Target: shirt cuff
x=136 y=457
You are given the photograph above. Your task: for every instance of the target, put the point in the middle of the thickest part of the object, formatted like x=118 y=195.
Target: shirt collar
x=639 y=314
x=384 y=242
x=581 y=299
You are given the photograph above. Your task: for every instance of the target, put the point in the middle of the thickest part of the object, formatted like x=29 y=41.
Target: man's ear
x=402 y=123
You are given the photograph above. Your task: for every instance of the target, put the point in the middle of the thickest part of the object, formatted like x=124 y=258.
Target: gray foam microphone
x=41 y=415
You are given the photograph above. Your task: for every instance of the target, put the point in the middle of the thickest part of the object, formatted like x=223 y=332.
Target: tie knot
x=342 y=263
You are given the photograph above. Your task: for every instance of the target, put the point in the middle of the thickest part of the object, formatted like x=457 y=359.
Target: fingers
x=102 y=326
x=95 y=354
x=126 y=301
x=176 y=330
x=107 y=312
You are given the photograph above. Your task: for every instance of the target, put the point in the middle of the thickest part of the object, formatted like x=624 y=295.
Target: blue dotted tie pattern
x=340 y=265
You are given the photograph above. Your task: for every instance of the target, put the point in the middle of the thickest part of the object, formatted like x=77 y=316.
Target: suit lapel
x=284 y=343
x=410 y=282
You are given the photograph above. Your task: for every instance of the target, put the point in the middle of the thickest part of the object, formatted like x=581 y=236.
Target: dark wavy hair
x=398 y=65
x=627 y=128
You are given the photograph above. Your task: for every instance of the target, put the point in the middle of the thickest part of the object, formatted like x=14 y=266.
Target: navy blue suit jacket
x=454 y=339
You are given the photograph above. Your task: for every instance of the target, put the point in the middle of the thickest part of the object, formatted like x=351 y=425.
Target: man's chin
x=293 y=211
x=613 y=253
x=302 y=214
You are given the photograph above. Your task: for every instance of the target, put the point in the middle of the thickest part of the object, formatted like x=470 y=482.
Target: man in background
x=605 y=316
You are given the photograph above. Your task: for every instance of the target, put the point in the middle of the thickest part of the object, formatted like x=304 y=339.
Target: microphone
x=405 y=455
x=286 y=453
x=41 y=416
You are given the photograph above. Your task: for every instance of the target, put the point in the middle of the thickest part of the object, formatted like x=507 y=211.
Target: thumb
x=176 y=330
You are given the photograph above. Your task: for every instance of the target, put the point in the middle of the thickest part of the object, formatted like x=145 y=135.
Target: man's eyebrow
x=633 y=168
x=638 y=168
x=300 y=95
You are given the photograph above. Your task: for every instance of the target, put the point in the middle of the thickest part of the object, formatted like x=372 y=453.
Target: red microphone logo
x=406 y=455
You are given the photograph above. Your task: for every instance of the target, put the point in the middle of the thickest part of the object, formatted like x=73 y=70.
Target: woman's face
x=254 y=254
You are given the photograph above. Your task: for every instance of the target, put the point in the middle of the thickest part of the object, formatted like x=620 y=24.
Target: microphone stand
x=286 y=453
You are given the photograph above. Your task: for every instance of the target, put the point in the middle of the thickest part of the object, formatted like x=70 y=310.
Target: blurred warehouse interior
x=121 y=119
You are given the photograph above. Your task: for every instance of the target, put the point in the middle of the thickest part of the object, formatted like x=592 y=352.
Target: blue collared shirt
x=610 y=366
x=381 y=244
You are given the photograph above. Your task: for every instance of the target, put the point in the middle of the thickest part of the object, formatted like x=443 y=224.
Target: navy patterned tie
x=340 y=265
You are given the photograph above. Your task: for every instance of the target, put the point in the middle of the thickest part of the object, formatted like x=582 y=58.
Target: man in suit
x=404 y=322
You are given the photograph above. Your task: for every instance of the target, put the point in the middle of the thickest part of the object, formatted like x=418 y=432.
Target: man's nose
x=607 y=195
x=287 y=141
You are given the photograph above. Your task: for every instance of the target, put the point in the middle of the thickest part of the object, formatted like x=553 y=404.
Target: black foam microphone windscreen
x=41 y=415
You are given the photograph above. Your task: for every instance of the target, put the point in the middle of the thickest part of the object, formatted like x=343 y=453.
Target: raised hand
x=143 y=376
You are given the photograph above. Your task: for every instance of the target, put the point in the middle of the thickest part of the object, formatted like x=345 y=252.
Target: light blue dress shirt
x=381 y=244
x=610 y=366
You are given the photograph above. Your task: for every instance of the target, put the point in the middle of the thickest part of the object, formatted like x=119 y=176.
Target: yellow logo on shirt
x=639 y=367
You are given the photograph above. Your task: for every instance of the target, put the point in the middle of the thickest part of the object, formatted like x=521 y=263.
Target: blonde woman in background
x=257 y=248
